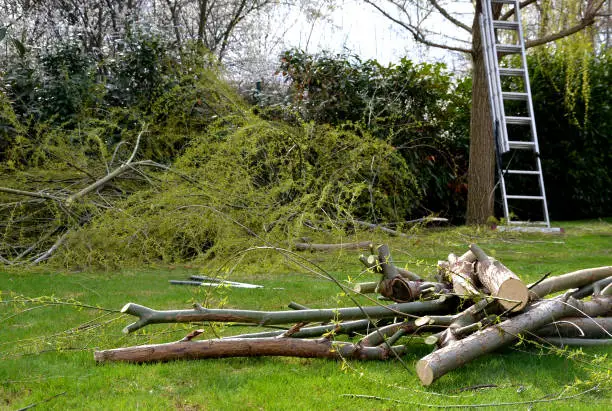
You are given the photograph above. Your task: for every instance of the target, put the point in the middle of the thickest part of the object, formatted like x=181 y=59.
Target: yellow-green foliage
x=248 y=181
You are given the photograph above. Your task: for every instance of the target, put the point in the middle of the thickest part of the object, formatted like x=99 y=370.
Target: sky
x=360 y=29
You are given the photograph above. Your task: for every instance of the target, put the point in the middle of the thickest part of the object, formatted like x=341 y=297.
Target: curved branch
x=450 y=18
x=418 y=36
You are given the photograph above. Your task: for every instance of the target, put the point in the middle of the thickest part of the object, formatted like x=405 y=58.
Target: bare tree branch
x=416 y=33
x=451 y=18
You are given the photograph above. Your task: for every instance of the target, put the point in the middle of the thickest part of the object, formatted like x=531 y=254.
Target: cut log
x=331 y=247
x=574 y=279
x=458 y=353
x=503 y=284
x=365 y=288
x=148 y=316
x=246 y=347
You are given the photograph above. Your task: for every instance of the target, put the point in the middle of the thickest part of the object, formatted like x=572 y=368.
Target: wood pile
x=475 y=306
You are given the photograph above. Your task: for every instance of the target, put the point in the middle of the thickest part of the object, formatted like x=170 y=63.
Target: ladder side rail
x=531 y=111
x=504 y=145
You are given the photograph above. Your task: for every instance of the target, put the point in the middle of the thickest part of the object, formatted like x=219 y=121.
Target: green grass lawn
x=46 y=348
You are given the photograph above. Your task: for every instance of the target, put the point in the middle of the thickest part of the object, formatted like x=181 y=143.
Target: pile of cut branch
x=475 y=306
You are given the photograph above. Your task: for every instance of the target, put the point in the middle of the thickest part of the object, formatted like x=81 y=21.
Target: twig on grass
x=27 y=407
x=490 y=404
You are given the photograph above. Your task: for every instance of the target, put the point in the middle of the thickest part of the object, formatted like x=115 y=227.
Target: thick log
x=461 y=275
x=246 y=347
x=503 y=284
x=148 y=316
x=330 y=247
x=574 y=279
x=458 y=353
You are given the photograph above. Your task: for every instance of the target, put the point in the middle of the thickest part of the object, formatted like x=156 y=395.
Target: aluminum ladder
x=521 y=135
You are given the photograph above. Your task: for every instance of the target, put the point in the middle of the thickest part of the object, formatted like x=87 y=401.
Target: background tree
x=555 y=20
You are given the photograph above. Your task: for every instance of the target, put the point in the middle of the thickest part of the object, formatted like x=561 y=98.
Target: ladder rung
x=506 y=25
x=528 y=223
x=518 y=120
x=511 y=72
x=521 y=144
x=510 y=95
x=527 y=172
x=517 y=197
x=509 y=48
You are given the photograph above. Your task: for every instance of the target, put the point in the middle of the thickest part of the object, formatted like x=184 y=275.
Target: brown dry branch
x=247 y=347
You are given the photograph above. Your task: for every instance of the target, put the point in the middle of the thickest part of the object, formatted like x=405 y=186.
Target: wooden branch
x=417 y=35
x=587 y=20
x=460 y=352
x=28 y=193
x=371 y=262
x=388 y=270
x=347 y=327
x=47 y=254
x=450 y=18
x=600 y=327
x=503 y=284
x=148 y=316
x=578 y=342
x=596 y=288
x=574 y=279
x=510 y=12
x=246 y=347
x=110 y=176
x=365 y=288
x=330 y=247
x=381 y=228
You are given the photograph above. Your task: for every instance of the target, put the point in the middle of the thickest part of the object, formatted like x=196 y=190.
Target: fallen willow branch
x=247 y=347
x=332 y=247
x=148 y=316
x=458 y=353
x=483 y=405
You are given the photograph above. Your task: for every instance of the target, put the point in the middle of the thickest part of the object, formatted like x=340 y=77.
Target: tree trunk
x=458 y=353
x=481 y=172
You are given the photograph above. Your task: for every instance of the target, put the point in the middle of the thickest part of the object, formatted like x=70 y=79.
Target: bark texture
x=458 y=353
x=245 y=347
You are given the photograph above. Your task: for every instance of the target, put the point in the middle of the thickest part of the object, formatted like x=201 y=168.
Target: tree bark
x=148 y=316
x=246 y=347
x=481 y=170
x=574 y=279
x=458 y=353
x=600 y=327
